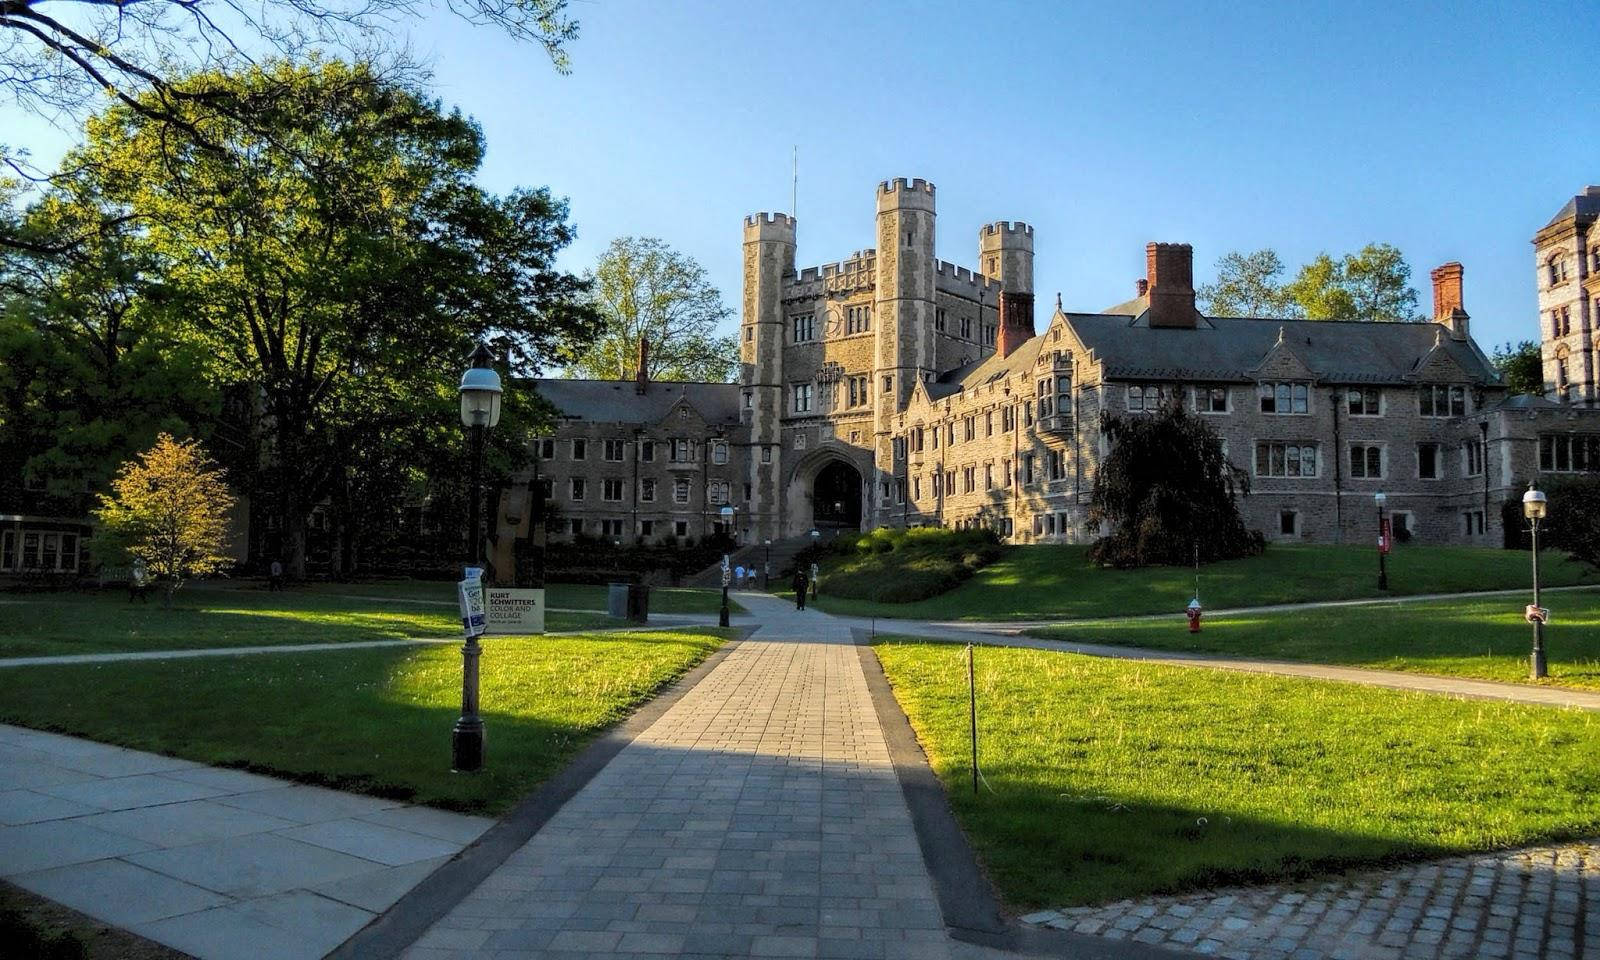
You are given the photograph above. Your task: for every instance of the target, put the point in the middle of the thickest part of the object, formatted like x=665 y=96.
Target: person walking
x=275 y=576
x=816 y=574
x=800 y=584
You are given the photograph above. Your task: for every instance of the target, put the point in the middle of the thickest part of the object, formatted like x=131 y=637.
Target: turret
x=903 y=313
x=1005 y=255
x=769 y=241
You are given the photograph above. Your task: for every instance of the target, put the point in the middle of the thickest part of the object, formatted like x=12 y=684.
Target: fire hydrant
x=1193 y=611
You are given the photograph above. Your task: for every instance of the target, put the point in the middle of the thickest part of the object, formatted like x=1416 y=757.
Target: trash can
x=639 y=602
x=617 y=600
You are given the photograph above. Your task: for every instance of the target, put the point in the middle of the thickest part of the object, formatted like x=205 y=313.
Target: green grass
x=372 y=720
x=1056 y=582
x=1486 y=639
x=1112 y=779
x=572 y=596
x=203 y=616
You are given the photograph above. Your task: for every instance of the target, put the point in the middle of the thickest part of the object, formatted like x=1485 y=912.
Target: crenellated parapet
x=964 y=282
x=1006 y=233
x=769 y=226
x=905 y=193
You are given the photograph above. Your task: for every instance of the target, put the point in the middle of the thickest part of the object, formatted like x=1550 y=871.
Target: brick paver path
x=1536 y=904
x=760 y=816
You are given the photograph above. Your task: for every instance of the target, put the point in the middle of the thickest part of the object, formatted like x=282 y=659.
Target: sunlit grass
x=1485 y=639
x=204 y=616
x=372 y=720
x=1108 y=779
x=1057 y=581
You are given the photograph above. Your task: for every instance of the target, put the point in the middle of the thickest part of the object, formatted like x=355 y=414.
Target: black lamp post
x=722 y=616
x=480 y=410
x=766 y=567
x=1383 y=542
x=1533 y=507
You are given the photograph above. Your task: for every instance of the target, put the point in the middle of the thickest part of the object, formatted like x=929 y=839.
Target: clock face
x=834 y=321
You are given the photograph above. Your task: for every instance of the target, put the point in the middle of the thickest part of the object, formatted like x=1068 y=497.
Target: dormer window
x=1439 y=400
x=1286 y=397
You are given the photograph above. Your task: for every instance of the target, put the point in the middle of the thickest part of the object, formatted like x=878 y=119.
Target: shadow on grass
x=376 y=721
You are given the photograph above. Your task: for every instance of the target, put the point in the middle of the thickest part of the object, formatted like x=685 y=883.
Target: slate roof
x=617 y=401
x=1232 y=348
x=1527 y=401
x=1584 y=206
x=980 y=372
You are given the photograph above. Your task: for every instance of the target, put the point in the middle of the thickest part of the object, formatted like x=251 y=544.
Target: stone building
x=1567 y=262
x=896 y=389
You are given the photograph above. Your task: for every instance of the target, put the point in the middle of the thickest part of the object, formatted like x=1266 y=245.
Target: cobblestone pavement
x=1520 y=905
x=760 y=816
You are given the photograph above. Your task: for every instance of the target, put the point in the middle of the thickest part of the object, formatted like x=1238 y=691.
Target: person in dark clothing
x=800 y=584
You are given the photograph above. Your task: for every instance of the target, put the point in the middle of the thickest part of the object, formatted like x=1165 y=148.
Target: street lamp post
x=766 y=567
x=1383 y=542
x=1533 y=507
x=480 y=410
x=722 y=616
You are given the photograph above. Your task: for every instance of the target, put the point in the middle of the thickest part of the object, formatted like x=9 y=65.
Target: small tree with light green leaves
x=168 y=510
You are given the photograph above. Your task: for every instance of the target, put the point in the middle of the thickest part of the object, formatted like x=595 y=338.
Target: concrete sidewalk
x=217 y=863
x=759 y=816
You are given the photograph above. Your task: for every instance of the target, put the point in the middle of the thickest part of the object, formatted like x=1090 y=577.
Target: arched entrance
x=836 y=497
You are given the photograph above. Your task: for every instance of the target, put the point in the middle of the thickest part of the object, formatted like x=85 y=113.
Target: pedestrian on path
x=800 y=585
x=816 y=575
x=275 y=576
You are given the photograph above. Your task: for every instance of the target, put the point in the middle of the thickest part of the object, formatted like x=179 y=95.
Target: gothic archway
x=836 y=496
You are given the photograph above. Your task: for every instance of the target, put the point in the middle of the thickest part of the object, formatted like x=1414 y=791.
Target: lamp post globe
x=480 y=393
x=1534 y=507
x=1380 y=498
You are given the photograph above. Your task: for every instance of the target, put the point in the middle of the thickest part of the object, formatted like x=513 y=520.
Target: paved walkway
x=216 y=863
x=1539 y=904
x=760 y=816
x=1549 y=696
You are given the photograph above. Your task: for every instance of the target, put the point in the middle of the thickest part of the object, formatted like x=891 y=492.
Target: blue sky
x=1453 y=131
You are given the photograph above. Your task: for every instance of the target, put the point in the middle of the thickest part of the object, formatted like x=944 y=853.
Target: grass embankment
x=372 y=720
x=1486 y=639
x=1057 y=582
x=47 y=624
x=1113 y=779
x=569 y=596
x=902 y=566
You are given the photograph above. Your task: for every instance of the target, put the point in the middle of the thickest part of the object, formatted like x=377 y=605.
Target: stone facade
x=1567 y=263
x=895 y=389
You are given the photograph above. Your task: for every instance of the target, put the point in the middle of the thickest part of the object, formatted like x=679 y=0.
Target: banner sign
x=515 y=611
x=473 y=619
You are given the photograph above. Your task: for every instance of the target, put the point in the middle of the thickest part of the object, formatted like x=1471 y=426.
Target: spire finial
x=1058 y=301
x=1280 y=335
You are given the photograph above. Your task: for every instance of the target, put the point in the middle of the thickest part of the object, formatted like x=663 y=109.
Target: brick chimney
x=1447 y=302
x=1141 y=287
x=641 y=374
x=1169 y=270
x=1016 y=322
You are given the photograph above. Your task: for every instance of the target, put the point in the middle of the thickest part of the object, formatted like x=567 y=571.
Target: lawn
x=46 y=624
x=1110 y=779
x=571 y=596
x=1486 y=639
x=1056 y=582
x=374 y=720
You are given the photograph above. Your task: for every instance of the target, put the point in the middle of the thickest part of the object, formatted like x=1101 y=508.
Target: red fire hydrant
x=1193 y=612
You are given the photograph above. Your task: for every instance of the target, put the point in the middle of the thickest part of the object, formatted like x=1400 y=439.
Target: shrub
x=901 y=566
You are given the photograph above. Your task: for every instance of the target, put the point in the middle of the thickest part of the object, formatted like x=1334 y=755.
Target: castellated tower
x=769 y=242
x=1005 y=255
x=905 y=290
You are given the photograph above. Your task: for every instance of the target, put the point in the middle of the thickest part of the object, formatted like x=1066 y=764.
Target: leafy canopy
x=1168 y=493
x=169 y=510
x=645 y=290
x=1373 y=284
x=1520 y=366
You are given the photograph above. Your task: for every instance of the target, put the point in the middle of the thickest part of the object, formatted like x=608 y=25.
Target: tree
x=339 y=268
x=1573 y=523
x=1168 y=492
x=1521 y=367
x=1248 y=285
x=169 y=511
x=645 y=289
x=1373 y=284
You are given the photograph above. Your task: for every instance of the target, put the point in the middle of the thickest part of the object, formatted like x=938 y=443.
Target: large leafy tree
x=339 y=266
x=645 y=290
x=1520 y=366
x=1168 y=493
x=1373 y=284
x=1248 y=285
